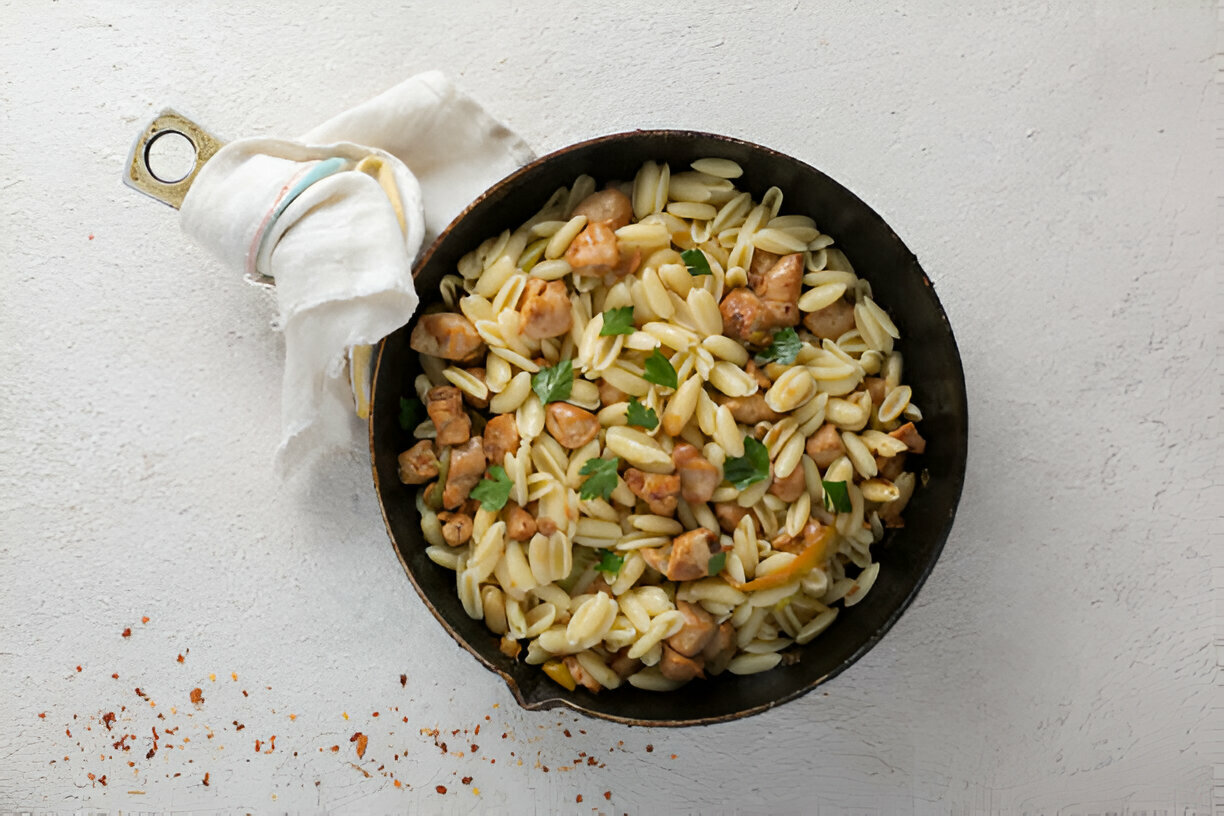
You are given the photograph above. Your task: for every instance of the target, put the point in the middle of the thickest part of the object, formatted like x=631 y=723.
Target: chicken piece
x=825 y=446
x=470 y=507
x=748 y=317
x=418 y=464
x=546 y=309
x=546 y=525
x=721 y=648
x=445 y=406
x=762 y=379
x=832 y=321
x=908 y=434
x=782 y=281
x=890 y=467
x=675 y=666
x=610 y=207
x=581 y=675
x=762 y=262
x=467 y=467
x=698 y=476
x=609 y=394
x=447 y=335
x=748 y=410
x=877 y=388
x=661 y=493
x=790 y=488
x=699 y=627
x=570 y=425
x=501 y=436
x=623 y=664
x=456 y=528
x=520 y=526
x=729 y=515
x=594 y=251
x=656 y=557
x=690 y=555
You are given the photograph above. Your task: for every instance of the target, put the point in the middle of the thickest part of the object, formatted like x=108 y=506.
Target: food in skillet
x=665 y=426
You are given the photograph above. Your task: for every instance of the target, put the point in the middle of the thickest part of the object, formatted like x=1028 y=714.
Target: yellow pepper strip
x=811 y=556
x=560 y=673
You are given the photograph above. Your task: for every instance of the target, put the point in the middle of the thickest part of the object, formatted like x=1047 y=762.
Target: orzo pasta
x=666 y=424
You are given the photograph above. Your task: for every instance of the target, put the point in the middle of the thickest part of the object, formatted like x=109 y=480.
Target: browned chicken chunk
x=467 y=467
x=749 y=410
x=520 y=526
x=729 y=515
x=890 y=467
x=456 y=528
x=445 y=406
x=623 y=664
x=570 y=425
x=762 y=262
x=610 y=207
x=782 y=281
x=832 y=321
x=658 y=491
x=877 y=388
x=447 y=335
x=594 y=251
x=721 y=648
x=744 y=318
x=790 y=488
x=908 y=434
x=825 y=446
x=418 y=464
x=546 y=309
x=698 y=476
x=675 y=666
x=690 y=555
x=699 y=627
x=501 y=436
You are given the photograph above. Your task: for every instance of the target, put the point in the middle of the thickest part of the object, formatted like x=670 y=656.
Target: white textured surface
x=1054 y=167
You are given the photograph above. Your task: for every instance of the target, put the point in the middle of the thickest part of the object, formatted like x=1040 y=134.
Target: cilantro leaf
x=602 y=481
x=493 y=493
x=752 y=467
x=610 y=562
x=696 y=262
x=555 y=383
x=659 y=371
x=642 y=416
x=617 y=321
x=836 y=497
x=717 y=561
x=410 y=413
x=784 y=349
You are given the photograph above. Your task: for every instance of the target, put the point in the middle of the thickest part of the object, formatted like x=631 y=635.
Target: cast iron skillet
x=932 y=367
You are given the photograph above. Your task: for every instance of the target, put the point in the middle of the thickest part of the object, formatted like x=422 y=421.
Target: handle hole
x=170 y=156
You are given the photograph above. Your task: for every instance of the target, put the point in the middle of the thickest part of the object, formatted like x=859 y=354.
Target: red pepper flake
x=441 y=789
x=180 y=658
x=405 y=719
x=149 y=755
x=476 y=733
x=91 y=777
x=91 y=236
x=375 y=714
x=115 y=676
x=578 y=798
x=141 y=694
x=144 y=619
x=567 y=733
x=42 y=716
x=121 y=744
x=78 y=668
x=206 y=780
x=608 y=795
x=403 y=680
x=244 y=693
x=650 y=749
x=362 y=741
x=68 y=732
x=238 y=726
x=197 y=696
x=102 y=779
x=673 y=756
x=591 y=761
x=107 y=719
x=398 y=784
x=127 y=632
x=271 y=744
x=475 y=747
x=467 y=780
x=545 y=769
x=258 y=745
x=335 y=748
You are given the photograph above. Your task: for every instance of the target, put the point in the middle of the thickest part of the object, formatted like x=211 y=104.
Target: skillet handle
x=140 y=176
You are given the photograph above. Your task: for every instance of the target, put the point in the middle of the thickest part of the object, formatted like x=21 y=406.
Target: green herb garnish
x=836 y=497
x=555 y=383
x=602 y=478
x=493 y=493
x=610 y=562
x=752 y=467
x=784 y=349
x=410 y=413
x=696 y=262
x=642 y=416
x=617 y=321
x=717 y=561
x=659 y=371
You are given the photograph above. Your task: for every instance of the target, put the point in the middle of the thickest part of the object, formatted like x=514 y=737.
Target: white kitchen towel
x=336 y=219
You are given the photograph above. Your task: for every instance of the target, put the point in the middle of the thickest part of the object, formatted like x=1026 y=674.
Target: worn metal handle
x=140 y=175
